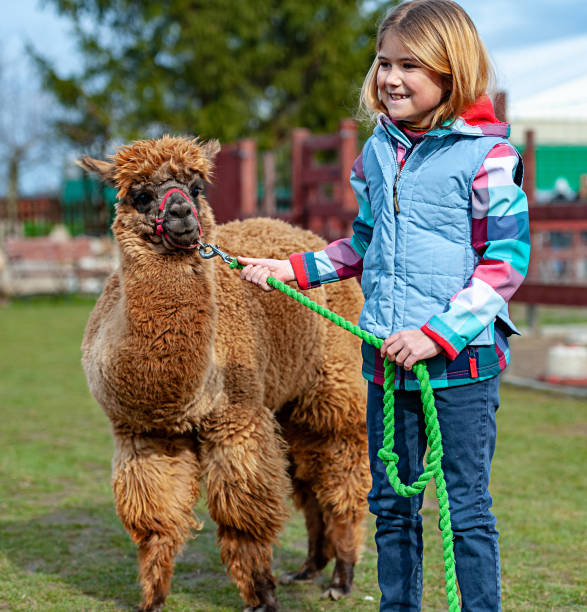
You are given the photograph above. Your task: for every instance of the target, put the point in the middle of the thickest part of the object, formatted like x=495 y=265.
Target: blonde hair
x=442 y=37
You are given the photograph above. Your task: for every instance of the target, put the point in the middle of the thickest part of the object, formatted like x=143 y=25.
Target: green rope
x=386 y=454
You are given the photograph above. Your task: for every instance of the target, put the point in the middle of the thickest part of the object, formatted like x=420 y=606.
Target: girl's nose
x=392 y=77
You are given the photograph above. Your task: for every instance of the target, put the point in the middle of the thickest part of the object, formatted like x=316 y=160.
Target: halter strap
x=159 y=220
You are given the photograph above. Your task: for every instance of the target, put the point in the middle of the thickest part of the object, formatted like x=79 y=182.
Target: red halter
x=163 y=209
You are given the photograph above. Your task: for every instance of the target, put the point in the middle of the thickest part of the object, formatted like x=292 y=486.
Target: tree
x=215 y=68
x=23 y=129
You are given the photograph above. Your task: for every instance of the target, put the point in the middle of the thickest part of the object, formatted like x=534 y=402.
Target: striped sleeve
x=501 y=237
x=343 y=258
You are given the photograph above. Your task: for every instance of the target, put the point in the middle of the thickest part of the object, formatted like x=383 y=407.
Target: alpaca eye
x=195 y=191
x=142 y=200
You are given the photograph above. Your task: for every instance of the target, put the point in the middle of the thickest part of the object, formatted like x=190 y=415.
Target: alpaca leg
x=329 y=535
x=247 y=485
x=331 y=481
x=155 y=482
x=320 y=549
x=344 y=534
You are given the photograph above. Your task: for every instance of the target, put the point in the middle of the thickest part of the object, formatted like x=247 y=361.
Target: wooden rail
x=322 y=198
x=557 y=274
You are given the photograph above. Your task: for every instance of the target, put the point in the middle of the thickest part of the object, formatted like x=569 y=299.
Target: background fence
x=322 y=200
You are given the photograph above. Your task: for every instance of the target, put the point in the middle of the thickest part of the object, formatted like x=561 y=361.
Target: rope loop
x=390 y=459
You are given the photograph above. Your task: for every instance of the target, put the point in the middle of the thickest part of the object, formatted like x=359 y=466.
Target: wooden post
x=532 y=319
x=529 y=158
x=233 y=192
x=576 y=256
x=500 y=105
x=583 y=187
x=247 y=152
x=348 y=152
x=269 y=206
x=299 y=135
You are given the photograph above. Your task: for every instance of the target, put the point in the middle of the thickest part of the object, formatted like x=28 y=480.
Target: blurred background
x=277 y=82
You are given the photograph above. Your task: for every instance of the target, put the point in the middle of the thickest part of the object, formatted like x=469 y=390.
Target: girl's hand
x=257 y=271
x=409 y=346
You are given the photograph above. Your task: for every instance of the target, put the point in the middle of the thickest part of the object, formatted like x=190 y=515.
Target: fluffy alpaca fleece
x=207 y=378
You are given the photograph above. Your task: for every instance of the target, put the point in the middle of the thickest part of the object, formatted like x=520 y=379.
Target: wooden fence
x=558 y=258
x=322 y=200
x=37 y=215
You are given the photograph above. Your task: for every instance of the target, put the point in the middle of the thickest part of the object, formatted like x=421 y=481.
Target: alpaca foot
x=297 y=578
x=335 y=593
x=302 y=576
x=265 y=592
x=342 y=581
x=156 y=605
x=153 y=608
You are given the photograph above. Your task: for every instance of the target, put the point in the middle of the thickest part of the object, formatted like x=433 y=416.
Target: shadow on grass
x=87 y=549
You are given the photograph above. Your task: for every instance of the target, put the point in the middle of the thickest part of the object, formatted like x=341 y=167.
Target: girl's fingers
x=245 y=272
x=245 y=261
x=390 y=354
x=402 y=356
x=258 y=275
x=390 y=347
x=409 y=362
x=258 y=270
x=249 y=273
x=391 y=342
x=254 y=261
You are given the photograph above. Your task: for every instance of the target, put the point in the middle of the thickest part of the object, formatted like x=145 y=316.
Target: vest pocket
x=485 y=338
x=505 y=323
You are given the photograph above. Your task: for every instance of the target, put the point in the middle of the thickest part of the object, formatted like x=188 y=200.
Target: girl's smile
x=409 y=91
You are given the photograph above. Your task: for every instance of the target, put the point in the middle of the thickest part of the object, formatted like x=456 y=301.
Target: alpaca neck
x=170 y=316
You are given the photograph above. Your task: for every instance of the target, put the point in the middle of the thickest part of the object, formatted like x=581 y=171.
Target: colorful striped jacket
x=450 y=258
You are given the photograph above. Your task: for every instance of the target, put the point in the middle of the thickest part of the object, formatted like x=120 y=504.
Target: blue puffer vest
x=420 y=257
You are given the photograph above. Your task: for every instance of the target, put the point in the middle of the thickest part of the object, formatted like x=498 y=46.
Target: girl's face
x=409 y=91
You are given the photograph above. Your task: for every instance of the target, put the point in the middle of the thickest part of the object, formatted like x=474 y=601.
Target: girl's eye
x=385 y=65
x=195 y=191
x=410 y=66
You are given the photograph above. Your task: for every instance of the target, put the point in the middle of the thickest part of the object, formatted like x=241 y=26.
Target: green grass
x=550 y=315
x=63 y=548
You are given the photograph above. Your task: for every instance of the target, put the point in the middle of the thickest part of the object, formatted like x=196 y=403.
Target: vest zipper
x=401 y=167
x=395 y=202
x=472 y=363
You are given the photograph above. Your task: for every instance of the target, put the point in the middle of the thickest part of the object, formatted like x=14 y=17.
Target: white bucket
x=567 y=362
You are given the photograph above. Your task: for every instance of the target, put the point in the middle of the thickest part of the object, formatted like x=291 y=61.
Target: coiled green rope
x=386 y=454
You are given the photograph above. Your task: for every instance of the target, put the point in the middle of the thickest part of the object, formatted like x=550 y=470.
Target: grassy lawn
x=63 y=548
x=550 y=315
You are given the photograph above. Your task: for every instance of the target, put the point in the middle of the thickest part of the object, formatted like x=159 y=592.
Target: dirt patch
x=576 y=430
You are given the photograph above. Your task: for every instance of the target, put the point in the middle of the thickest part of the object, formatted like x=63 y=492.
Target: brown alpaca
x=205 y=376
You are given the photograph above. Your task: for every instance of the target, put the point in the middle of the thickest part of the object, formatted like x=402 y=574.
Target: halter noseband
x=160 y=219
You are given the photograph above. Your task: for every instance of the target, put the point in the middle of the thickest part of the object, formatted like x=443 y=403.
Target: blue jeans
x=466 y=415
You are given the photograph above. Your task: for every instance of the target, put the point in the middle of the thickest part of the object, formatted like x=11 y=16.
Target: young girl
x=442 y=243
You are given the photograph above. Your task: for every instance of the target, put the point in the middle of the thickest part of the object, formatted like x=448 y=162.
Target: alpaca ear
x=211 y=149
x=105 y=170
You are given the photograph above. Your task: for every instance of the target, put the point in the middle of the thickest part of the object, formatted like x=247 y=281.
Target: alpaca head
x=160 y=190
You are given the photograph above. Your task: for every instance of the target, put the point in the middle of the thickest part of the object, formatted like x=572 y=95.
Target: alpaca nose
x=179 y=220
x=179 y=208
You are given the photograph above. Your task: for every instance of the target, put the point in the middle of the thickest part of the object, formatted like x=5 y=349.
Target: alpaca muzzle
x=178 y=220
